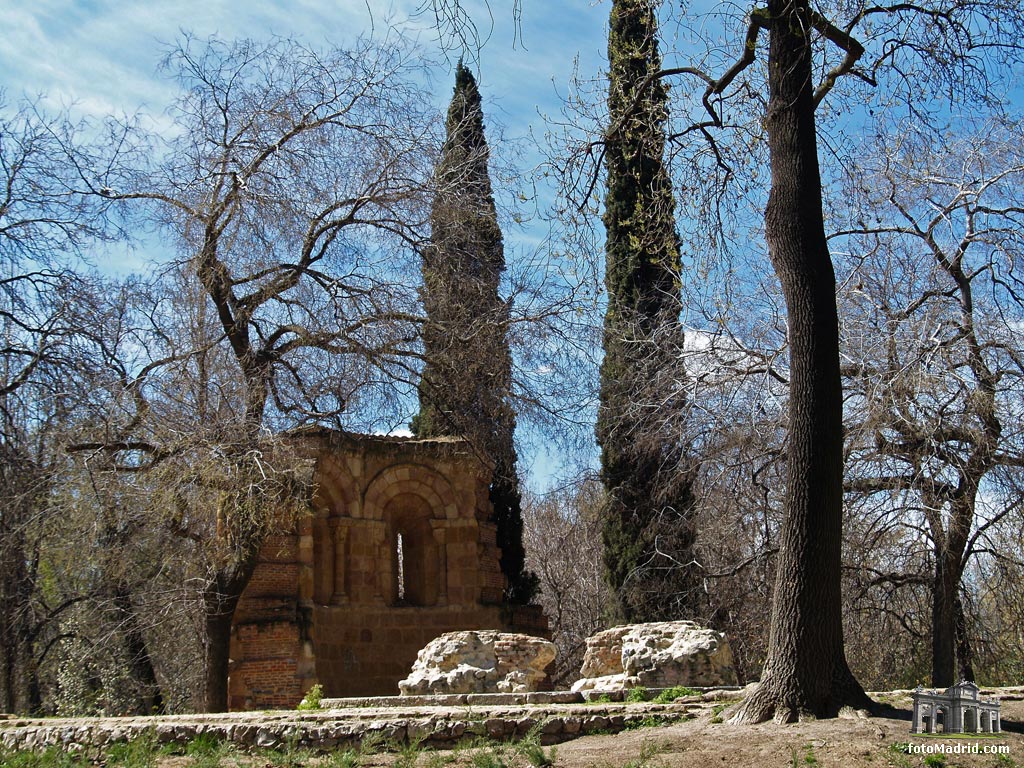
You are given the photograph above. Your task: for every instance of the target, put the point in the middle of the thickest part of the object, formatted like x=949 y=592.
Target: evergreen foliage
x=464 y=389
x=648 y=531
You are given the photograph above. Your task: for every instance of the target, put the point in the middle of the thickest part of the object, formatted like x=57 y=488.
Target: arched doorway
x=970 y=720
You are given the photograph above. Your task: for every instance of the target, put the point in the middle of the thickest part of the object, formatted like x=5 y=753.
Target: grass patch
x=140 y=752
x=338 y=759
x=648 y=751
x=899 y=755
x=650 y=721
x=531 y=750
x=207 y=750
x=291 y=756
x=53 y=757
x=636 y=695
x=677 y=692
x=716 y=712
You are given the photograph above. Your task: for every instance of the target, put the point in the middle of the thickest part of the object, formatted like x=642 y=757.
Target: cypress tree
x=648 y=529
x=467 y=375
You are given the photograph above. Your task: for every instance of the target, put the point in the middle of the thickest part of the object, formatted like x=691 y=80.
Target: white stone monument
x=958 y=709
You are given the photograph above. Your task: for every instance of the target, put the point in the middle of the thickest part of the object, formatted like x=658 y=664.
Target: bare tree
x=45 y=303
x=933 y=366
x=562 y=534
x=294 y=186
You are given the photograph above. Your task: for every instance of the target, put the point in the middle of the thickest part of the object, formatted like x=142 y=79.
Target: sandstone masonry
x=400 y=547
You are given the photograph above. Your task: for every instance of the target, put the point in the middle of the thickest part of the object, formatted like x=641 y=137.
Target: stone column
x=384 y=576
x=441 y=540
x=915 y=726
x=339 y=538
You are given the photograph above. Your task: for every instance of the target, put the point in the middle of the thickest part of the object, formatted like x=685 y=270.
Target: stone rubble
x=656 y=655
x=480 y=661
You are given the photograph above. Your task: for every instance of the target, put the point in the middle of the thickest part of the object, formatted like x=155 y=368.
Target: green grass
x=207 y=751
x=338 y=759
x=530 y=749
x=140 y=752
x=636 y=695
x=487 y=758
x=291 y=756
x=203 y=744
x=650 y=721
x=671 y=694
x=52 y=757
x=648 y=751
x=899 y=755
x=716 y=712
x=312 y=698
x=408 y=754
x=935 y=761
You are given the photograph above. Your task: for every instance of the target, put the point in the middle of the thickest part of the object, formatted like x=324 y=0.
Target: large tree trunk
x=944 y=592
x=950 y=544
x=964 y=654
x=806 y=671
x=141 y=663
x=220 y=598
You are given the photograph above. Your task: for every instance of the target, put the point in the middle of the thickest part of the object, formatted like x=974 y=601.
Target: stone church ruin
x=399 y=548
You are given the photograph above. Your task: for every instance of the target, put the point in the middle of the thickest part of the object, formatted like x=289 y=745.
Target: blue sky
x=101 y=57
x=103 y=54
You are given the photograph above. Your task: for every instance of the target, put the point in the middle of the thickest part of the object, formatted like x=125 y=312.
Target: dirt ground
x=850 y=743
x=870 y=743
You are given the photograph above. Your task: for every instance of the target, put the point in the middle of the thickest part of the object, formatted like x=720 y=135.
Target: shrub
x=312 y=698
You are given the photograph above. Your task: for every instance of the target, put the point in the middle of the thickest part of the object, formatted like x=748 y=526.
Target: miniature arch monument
x=958 y=709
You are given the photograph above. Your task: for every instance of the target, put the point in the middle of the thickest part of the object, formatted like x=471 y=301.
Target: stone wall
x=323 y=731
x=338 y=601
x=366 y=651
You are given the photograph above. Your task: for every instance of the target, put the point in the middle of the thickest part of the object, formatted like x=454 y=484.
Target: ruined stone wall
x=339 y=602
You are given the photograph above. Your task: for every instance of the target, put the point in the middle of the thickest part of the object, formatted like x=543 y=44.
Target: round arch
x=410 y=479
x=335 y=493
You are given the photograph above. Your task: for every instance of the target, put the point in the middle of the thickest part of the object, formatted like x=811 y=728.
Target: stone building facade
x=399 y=548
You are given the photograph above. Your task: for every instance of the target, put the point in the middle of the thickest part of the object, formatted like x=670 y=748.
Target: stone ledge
x=457 y=700
x=436 y=726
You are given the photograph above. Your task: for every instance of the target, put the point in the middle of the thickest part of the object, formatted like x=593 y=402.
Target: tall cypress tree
x=467 y=376
x=648 y=528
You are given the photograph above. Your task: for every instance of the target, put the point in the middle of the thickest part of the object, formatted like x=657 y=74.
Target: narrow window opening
x=401 y=569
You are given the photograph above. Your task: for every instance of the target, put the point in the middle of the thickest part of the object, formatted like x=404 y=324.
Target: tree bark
x=964 y=654
x=141 y=663
x=806 y=673
x=220 y=598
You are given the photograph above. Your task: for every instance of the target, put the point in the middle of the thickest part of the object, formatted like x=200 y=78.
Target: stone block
x=656 y=655
x=480 y=662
